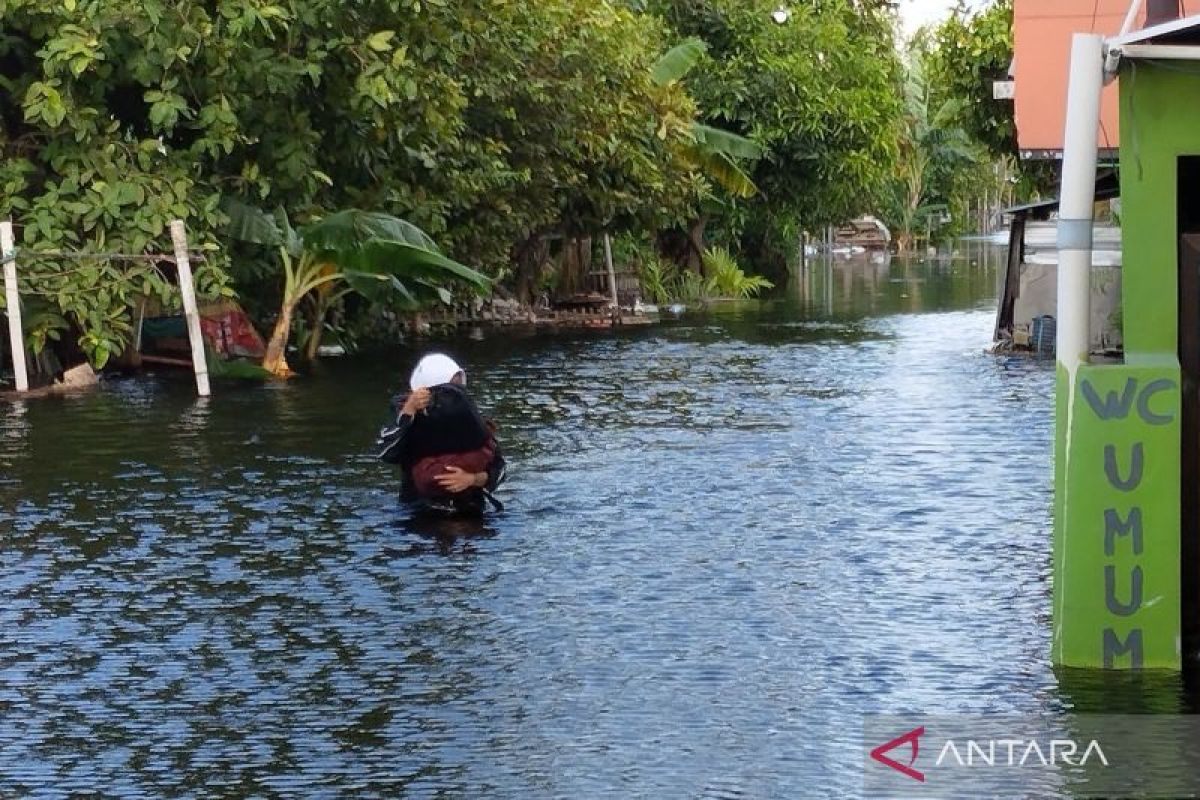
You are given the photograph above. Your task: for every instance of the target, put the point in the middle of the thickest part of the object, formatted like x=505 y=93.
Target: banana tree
x=717 y=154
x=713 y=151
x=929 y=139
x=375 y=255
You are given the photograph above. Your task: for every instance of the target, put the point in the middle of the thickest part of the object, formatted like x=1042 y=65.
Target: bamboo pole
x=16 y=334
x=187 y=289
x=612 y=275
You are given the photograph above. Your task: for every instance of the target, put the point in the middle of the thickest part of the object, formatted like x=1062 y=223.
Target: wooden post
x=612 y=276
x=16 y=334
x=188 y=290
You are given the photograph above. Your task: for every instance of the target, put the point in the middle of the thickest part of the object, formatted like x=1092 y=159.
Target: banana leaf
x=726 y=142
x=376 y=287
x=350 y=229
x=380 y=269
x=404 y=260
x=723 y=170
x=251 y=224
x=677 y=62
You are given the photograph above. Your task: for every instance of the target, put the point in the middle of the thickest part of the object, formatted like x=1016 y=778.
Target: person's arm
x=390 y=444
x=497 y=471
x=456 y=480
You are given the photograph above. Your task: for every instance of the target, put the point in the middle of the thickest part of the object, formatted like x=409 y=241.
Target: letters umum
x=1119 y=406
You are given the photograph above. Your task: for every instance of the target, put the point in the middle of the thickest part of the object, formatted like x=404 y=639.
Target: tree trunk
x=695 y=257
x=530 y=258
x=574 y=263
x=314 y=336
x=275 y=361
x=684 y=247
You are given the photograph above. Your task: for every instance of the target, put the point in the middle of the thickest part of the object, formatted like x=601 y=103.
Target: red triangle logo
x=911 y=739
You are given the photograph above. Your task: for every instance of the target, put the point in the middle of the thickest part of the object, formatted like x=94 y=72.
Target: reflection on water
x=879 y=284
x=727 y=538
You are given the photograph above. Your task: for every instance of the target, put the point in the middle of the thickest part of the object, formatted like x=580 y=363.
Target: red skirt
x=425 y=471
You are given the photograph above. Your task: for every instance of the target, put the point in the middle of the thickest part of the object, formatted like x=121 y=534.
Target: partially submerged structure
x=866 y=232
x=181 y=259
x=1127 y=447
x=1029 y=292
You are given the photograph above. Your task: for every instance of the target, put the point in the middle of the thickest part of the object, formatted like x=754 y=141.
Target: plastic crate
x=1042 y=334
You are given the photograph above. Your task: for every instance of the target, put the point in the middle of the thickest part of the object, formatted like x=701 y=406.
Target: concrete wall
x=1039 y=295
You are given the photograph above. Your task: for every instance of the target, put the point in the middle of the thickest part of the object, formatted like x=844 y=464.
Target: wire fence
x=34 y=282
x=30 y=283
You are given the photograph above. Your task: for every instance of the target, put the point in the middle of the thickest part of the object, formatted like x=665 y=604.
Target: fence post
x=612 y=275
x=15 y=333
x=188 y=290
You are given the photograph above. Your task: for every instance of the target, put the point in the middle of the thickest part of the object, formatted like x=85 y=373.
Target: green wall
x=1160 y=121
x=1117 y=473
x=1116 y=549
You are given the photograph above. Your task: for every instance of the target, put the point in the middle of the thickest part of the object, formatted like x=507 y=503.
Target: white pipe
x=1166 y=52
x=1080 y=143
x=16 y=333
x=188 y=290
x=1130 y=16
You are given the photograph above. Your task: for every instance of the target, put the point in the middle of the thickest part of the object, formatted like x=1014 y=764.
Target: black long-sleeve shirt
x=395 y=445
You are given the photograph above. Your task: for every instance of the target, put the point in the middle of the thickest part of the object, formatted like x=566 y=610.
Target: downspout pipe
x=1130 y=16
x=1080 y=144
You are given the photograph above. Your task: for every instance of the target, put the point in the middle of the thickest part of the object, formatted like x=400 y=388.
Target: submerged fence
x=187 y=290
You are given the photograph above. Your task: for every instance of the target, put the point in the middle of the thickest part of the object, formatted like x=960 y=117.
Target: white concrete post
x=188 y=290
x=612 y=275
x=1080 y=141
x=16 y=334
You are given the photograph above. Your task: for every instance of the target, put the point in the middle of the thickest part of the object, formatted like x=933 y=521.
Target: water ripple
x=726 y=541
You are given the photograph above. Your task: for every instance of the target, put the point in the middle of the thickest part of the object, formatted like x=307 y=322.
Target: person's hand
x=416 y=402
x=456 y=480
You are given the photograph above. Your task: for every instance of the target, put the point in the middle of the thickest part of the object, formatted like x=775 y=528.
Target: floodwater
x=728 y=538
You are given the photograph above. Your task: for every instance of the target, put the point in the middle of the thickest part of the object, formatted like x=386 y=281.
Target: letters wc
x=1123 y=586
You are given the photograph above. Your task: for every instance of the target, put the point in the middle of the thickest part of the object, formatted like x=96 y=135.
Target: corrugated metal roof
x=1108 y=185
x=1176 y=30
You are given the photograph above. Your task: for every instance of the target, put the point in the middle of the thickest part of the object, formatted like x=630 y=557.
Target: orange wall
x=1042 y=31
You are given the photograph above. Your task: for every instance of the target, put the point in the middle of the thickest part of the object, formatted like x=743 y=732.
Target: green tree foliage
x=487 y=123
x=933 y=152
x=819 y=93
x=565 y=131
x=497 y=127
x=964 y=55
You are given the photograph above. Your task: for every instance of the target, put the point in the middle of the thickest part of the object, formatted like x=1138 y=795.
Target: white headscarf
x=434 y=370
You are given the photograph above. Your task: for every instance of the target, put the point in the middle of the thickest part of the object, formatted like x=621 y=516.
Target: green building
x=1127 y=449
